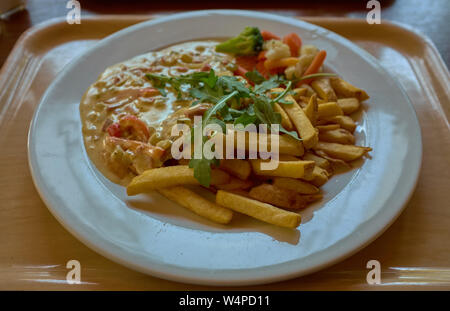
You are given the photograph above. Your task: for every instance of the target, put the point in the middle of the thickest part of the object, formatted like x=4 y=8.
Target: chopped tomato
x=206 y=67
x=114 y=130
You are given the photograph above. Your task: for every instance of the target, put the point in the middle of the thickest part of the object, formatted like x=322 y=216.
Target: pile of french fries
x=321 y=113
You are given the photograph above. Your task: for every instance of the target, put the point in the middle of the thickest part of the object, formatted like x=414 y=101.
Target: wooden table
x=429 y=17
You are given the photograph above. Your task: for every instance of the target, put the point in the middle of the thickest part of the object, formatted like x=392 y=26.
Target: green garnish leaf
x=255 y=76
x=202 y=169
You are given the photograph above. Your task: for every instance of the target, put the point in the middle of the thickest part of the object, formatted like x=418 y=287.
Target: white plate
x=170 y=242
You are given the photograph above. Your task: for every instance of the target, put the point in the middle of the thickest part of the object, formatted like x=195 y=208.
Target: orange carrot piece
x=261 y=56
x=262 y=69
x=267 y=35
x=314 y=66
x=247 y=62
x=294 y=42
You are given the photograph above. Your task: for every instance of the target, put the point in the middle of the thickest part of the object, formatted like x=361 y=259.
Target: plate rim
x=349 y=245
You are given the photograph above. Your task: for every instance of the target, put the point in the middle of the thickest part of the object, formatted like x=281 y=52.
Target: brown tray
x=414 y=252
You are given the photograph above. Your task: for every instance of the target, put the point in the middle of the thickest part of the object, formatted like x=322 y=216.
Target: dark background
x=431 y=17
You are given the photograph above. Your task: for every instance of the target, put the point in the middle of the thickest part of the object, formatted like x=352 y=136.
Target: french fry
x=333 y=161
x=319 y=161
x=345 y=89
x=287 y=157
x=277 y=196
x=309 y=91
x=328 y=110
x=170 y=176
x=294 y=169
x=345 y=122
x=328 y=127
x=320 y=176
x=323 y=89
x=295 y=185
x=236 y=167
x=301 y=122
x=348 y=105
x=285 y=121
x=302 y=91
x=235 y=184
x=270 y=194
x=286 y=143
x=340 y=136
x=311 y=110
x=197 y=204
x=343 y=152
x=258 y=210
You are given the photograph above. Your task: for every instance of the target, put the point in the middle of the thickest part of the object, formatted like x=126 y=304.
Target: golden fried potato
x=333 y=161
x=280 y=197
x=320 y=176
x=343 y=152
x=328 y=110
x=295 y=185
x=198 y=204
x=258 y=210
x=319 y=161
x=345 y=122
x=286 y=143
x=344 y=89
x=340 y=136
x=276 y=196
x=236 y=167
x=301 y=122
x=170 y=176
x=285 y=121
x=311 y=110
x=348 y=105
x=294 y=169
x=235 y=184
x=323 y=89
x=327 y=127
x=302 y=91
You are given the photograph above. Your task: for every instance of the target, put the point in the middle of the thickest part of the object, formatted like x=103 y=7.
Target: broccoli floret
x=248 y=42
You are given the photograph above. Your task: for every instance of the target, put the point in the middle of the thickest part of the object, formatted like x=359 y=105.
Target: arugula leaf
x=202 y=169
x=210 y=80
x=293 y=134
x=255 y=76
x=218 y=106
x=282 y=94
x=245 y=119
x=272 y=82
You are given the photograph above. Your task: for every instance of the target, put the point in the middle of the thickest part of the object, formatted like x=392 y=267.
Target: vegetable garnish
x=248 y=42
x=314 y=66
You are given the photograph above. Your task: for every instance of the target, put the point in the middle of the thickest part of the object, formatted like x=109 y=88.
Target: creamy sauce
x=118 y=92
